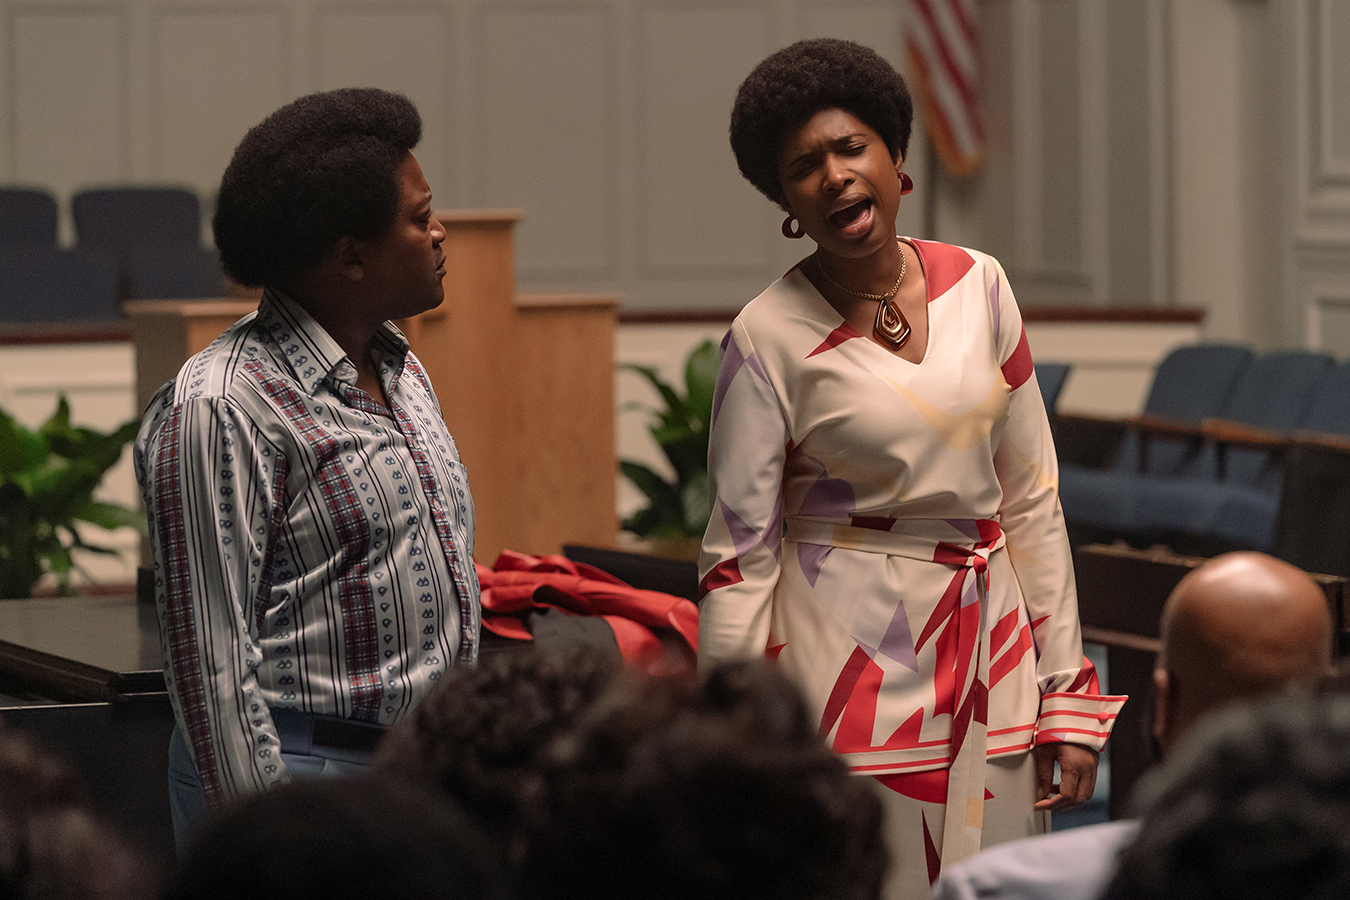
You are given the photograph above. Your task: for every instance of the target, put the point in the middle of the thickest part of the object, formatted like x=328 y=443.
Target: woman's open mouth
x=853 y=219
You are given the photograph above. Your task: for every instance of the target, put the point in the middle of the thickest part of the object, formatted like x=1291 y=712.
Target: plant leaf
x=674 y=402
x=664 y=513
x=697 y=505
x=700 y=379
x=110 y=515
x=21 y=450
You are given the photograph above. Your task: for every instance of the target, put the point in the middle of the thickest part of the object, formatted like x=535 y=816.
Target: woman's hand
x=1077 y=775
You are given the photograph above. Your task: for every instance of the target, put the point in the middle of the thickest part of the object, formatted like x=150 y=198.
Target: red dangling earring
x=906 y=183
x=792 y=228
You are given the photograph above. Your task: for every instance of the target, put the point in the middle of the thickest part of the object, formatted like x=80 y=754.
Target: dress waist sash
x=968 y=543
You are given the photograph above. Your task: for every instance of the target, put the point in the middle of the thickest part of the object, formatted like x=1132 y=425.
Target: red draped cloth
x=656 y=632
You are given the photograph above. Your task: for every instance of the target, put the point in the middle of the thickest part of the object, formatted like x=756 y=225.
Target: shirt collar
x=311 y=352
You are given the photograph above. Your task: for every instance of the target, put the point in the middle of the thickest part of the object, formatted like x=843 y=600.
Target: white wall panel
x=218 y=70
x=1333 y=100
x=546 y=134
x=398 y=47
x=1324 y=120
x=697 y=213
x=68 y=72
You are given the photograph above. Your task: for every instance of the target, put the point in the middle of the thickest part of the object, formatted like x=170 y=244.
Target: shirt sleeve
x=1073 y=709
x=740 y=562
x=213 y=487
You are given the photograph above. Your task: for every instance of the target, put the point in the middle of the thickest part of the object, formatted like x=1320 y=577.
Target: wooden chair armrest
x=1323 y=440
x=1088 y=419
x=1157 y=425
x=1227 y=432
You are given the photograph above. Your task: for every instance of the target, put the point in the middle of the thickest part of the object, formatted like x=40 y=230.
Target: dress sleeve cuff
x=1077 y=718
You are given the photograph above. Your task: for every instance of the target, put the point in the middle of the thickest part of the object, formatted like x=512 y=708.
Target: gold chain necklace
x=890 y=326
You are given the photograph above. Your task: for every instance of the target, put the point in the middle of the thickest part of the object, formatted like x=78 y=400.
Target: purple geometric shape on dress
x=971 y=592
x=811 y=557
x=829 y=497
x=732 y=363
x=993 y=304
x=969 y=527
x=773 y=532
x=742 y=535
x=898 y=642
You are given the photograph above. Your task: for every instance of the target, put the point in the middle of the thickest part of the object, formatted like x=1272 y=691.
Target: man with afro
x=310 y=520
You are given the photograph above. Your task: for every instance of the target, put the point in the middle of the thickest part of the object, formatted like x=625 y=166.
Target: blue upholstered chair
x=44 y=284
x=1312 y=523
x=155 y=236
x=1192 y=383
x=1051 y=378
x=1227 y=497
x=27 y=218
x=175 y=273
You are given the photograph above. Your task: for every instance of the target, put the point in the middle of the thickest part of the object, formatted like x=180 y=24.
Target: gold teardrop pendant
x=890 y=327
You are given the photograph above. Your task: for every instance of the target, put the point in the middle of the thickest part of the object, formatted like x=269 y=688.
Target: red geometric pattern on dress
x=1067 y=735
x=843 y=689
x=943 y=266
x=1086 y=682
x=859 y=716
x=724 y=574
x=845 y=332
x=1002 y=628
x=930 y=852
x=439 y=519
x=943 y=623
x=876 y=523
x=907 y=735
x=974 y=707
x=1006 y=663
x=926 y=787
x=772 y=653
x=355 y=597
x=1019 y=367
x=957 y=626
x=179 y=632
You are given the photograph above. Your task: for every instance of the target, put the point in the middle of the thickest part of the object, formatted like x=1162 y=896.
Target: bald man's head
x=1238 y=626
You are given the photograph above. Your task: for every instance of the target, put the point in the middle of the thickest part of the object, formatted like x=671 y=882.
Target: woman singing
x=885 y=518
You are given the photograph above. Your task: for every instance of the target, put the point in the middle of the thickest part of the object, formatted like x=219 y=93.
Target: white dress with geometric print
x=890 y=532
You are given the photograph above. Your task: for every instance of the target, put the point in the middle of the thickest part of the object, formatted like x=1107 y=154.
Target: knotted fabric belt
x=967 y=543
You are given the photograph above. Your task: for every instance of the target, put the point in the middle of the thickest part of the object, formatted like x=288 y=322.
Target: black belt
x=300 y=731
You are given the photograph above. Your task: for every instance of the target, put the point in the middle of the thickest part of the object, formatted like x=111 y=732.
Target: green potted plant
x=676 y=508
x=47 y=482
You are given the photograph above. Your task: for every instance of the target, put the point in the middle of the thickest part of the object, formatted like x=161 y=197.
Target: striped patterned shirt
x=313 y=550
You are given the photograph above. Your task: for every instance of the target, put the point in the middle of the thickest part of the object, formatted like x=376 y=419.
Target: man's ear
x=1164 y=704
x=348 y=255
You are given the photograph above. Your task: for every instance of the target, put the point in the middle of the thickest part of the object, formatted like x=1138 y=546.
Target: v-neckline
x=800 y=269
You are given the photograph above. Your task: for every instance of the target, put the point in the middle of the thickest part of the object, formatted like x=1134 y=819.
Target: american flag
x=942 y=44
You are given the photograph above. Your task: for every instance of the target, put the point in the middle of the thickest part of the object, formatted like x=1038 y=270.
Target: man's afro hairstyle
x=792 y=85
x=320 y=168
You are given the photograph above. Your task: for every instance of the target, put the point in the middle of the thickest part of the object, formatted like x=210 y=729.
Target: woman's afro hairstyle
x=792 y=85
x=320 y=168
